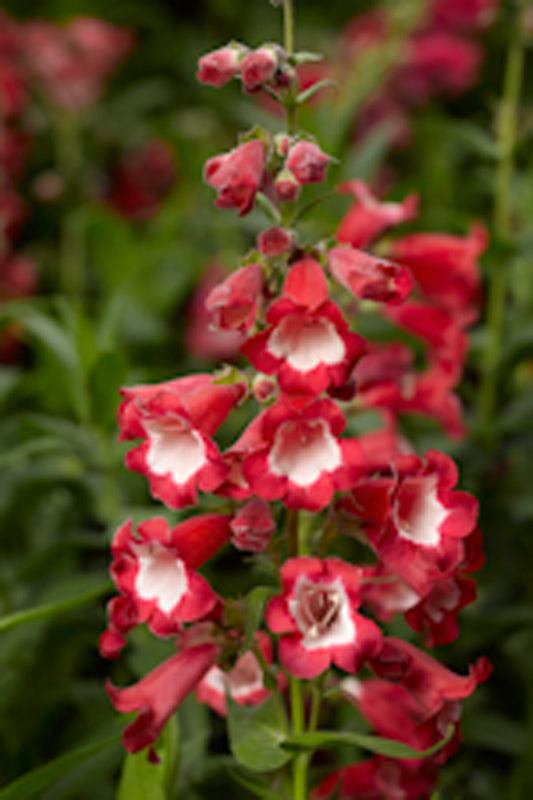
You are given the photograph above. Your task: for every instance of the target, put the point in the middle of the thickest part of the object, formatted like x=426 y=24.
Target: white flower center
x=303 y=450
x=175 y=449
x=418 y=513
x=161 y=577
x=322 y=613
x=446 y=599
x=305 y=343
x=245 y=677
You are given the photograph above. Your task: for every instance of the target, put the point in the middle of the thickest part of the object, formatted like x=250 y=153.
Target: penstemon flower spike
x=297 y=479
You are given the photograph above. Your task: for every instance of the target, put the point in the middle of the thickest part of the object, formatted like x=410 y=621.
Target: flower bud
x=307 y=162
x=260 y=66
x=220 y=66
x=286 y=186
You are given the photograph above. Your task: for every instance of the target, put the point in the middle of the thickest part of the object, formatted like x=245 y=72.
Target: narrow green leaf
x=50 y=610
x=259 y=790
x=305 y=57
x=52 y=336
x=256 y=736
x=307 y=94
x=38 y=780
x=253 y=611
x=375 y=744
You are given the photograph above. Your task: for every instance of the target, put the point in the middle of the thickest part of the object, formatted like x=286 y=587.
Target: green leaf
x=50 y=610
x=106 y=377
x=256 y=736
x=259 y=790
x=305 y=57
x=375 y=744
x=140 y=779
x=40 y=779
x=58 y=344
x=253 y=611
x=307 y=94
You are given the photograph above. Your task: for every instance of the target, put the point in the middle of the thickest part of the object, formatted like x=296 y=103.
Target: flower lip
x=161 y=577
x=303 y=450
x=418 y=512
x=175 y=448
x=306 y=342
x=322 y=613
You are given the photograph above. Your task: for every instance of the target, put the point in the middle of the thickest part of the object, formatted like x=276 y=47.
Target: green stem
x=288 y=42
x=301 y=760
x=507 y=137
x=292 y=531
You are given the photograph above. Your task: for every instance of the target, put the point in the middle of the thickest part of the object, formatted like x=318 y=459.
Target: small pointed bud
x=287 y=187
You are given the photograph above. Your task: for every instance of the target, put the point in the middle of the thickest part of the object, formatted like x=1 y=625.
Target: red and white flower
x=176 y=420
x=416 y=521
x=154 y=570
x=317 y=615
x=302 y=460
x=244 y=682
x=308 y=343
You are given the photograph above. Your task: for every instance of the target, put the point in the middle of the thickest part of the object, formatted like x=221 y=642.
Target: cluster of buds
x=298 y=479
x=266 y=66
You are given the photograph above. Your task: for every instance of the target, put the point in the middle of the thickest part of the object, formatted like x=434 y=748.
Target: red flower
x=73 y=63
x=299 y=457
x=159 y=694
x=307 y=344
x=439 y=62
x=317 y=617
x=416 y=521
x=428 y=682
x=368 y=277
x=154 y=570
x=468 y=15
x=176 y=419
x=368 y=218
x=234 y=302
x=380 y=779
x=244 y=682
x=446 y=268
x=237 y=175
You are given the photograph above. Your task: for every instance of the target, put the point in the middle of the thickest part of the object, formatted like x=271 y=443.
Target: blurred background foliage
x=112 y=306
